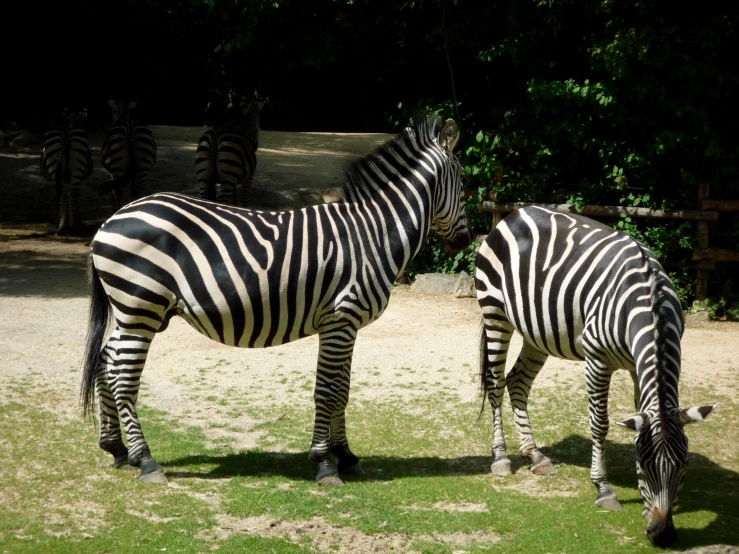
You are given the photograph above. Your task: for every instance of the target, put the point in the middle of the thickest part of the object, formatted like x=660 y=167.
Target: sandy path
x=423 y=346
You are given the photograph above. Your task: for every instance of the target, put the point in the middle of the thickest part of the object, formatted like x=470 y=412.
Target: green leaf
x=479 y=136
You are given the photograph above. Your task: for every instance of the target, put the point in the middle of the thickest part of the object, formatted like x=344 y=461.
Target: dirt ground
x=421 y=346
x=293 y=170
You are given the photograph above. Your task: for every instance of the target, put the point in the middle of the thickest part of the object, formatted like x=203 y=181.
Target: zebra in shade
x=128 y=153
x=257 y=279
x=227 y=153
x=66 y=160
x=577 y=289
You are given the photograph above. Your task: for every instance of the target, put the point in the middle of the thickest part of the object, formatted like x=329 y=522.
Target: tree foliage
x=577 y=101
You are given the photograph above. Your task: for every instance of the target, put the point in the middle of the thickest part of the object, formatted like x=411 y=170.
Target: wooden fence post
x=701 y=286
x=496 y=197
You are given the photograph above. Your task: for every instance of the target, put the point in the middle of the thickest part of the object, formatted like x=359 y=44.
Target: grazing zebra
x=257 y=279
x=128 y=153
x=226 y=153
x=577 y=289
x=66 y=160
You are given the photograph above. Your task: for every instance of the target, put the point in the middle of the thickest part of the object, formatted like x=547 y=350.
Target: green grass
x=59 y=494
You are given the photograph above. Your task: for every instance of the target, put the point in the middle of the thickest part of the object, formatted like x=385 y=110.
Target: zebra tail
x=483 y=359
x=100 y=312
x=121 y=182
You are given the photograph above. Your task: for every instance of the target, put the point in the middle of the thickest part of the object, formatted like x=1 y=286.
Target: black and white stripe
x=66 y=160
x=227 y=153
x=128 y=153
x=577 y=289
x=256 y=279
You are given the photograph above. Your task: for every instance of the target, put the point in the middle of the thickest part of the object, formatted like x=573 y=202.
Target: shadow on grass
x=709 y=487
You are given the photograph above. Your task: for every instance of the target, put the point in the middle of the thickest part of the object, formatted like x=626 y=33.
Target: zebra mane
x=661 y=320
x=423 y=131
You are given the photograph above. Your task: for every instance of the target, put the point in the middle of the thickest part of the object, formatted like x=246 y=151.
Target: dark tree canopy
x=576 y=101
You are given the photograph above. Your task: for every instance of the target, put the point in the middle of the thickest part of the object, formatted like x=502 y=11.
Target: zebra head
x=450 y=219
x=120 y=110
x=73 y=118
x=661 y=459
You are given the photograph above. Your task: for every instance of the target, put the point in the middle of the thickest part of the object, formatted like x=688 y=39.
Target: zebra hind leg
x=246 y=193
x=111 y=439
x=519 y=382
x=598 y=381
x=331 y=396
x=128 y=350
x=494 y=341
x=141 y=188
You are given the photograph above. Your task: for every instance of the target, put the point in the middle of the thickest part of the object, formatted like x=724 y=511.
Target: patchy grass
x=427 y=486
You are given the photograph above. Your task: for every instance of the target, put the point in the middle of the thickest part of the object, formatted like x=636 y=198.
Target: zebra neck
x=658 y=360
x=400 y=211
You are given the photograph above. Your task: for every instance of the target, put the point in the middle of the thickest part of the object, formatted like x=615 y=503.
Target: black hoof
x=608 y=501
x=152 y=472
x=328 y=476
x=121 y=461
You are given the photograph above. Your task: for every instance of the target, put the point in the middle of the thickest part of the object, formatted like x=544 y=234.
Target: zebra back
x=129 y=147
x=66 y=153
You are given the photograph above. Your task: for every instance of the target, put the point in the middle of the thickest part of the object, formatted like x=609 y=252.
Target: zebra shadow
x=296 y=466
x=709 y=488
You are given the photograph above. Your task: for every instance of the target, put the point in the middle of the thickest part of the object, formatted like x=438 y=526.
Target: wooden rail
x=605 y=211
x=704 y=258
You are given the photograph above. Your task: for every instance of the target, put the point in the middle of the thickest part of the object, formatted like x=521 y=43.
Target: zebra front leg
x=494 y=341
x=331 y=396
x=519 y=382
x=637 y=390
x=598 y=379
x=129 y=350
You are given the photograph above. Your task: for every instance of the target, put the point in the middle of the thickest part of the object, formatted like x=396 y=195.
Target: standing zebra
x=257 y=279
x=66 y=160
x=227 y=153
x=577 y=289
x=128 y=153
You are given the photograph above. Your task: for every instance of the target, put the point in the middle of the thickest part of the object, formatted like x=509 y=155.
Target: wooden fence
x=704 y=258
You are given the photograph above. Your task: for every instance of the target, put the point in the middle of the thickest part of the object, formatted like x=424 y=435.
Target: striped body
x=66 y=160
x=226 y=155
x=128 y=153
x=579 y=290
x=257 y=279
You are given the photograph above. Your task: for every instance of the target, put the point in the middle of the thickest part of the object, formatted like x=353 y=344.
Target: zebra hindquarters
x=115 y=370
x=146 y=157
x=205 y=165
x=235 y=162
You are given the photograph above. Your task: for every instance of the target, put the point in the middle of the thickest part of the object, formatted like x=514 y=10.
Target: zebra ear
x=449 y=136
x=635 y=423
x=694 y=414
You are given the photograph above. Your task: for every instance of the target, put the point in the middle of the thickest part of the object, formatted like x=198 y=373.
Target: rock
x=465 y=287
x=434 y=283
